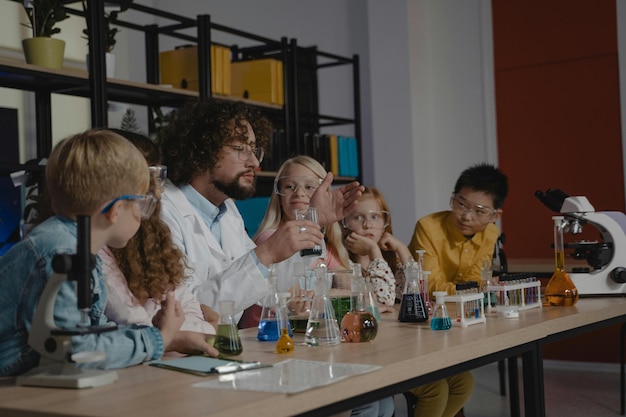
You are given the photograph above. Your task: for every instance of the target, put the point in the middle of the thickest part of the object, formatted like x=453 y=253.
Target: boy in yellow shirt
x=457 y=242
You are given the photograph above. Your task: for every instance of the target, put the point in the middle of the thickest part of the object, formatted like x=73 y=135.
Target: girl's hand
x=362 y=246
x=169 y=318
x=391 y=243
x=211 y=316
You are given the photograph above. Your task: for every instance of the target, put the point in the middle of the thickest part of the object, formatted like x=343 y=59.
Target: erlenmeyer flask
x=322 y=328
x=441 y=318
x=560 y=290
x=412 y=307
x=423 y=281
x=358 y=324
x=227 y=340
x=268 y=323
x=285 y=343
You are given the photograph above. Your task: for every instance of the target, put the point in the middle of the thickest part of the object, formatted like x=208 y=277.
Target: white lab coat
x=227 y=272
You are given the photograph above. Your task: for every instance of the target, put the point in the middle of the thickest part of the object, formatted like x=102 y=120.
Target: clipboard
x=205 y=365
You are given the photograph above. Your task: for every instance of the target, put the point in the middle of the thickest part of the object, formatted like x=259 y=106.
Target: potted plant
x=109 y=32
x=43 y=16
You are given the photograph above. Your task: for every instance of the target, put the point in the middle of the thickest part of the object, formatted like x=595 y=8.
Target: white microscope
x=57 y=365
x=606 y=274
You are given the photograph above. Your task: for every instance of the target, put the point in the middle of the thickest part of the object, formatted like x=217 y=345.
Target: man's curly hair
x=191 y=141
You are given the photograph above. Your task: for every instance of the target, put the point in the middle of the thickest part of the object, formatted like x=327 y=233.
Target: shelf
x=19 y=75
x=293 y=121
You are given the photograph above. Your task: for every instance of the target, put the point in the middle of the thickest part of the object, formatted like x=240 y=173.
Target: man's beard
x=234 y=190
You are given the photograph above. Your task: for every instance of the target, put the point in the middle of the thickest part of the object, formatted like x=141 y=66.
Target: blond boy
x=100 y=174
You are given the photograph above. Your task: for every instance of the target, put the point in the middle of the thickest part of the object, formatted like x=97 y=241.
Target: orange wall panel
x=558 y=127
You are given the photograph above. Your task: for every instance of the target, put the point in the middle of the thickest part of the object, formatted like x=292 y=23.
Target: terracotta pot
x=45 y=52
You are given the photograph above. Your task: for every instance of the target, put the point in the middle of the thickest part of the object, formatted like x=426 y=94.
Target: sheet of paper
x=290 y=376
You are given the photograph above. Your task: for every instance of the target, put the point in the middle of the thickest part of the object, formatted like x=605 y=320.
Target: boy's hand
x=334 y=205
x=191 y=343
x=169 y=318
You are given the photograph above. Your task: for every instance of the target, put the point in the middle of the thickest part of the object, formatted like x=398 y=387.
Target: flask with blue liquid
x=269 y=330
x=441 y=318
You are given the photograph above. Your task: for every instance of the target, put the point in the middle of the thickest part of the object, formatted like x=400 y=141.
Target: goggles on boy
x=159 y=173
x=480 y=213
x=146 y=204
x=287 y=186
x=245 y=152
x=375 y=219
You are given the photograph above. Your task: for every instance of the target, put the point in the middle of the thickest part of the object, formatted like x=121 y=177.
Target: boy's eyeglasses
x=287 y=186
x=245 y=152
x=146 y=204
x=159 y=173
x=461 y=206
x=374 y=219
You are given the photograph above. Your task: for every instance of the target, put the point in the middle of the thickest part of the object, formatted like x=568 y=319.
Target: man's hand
x=288 y=239
x=334 y=205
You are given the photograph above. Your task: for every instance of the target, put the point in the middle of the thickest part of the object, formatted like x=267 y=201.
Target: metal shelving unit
x=293 y=117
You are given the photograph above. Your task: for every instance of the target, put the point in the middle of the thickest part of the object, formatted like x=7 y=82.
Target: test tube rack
x=469 y=309
x=522 y=296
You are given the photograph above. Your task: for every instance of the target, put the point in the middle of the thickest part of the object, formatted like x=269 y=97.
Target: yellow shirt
x=450 y=256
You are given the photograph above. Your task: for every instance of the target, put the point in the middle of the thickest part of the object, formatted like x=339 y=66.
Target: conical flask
x=423 y=281
x=227 y=340
x=358 y=324
x=268 y=329
x=322 y=328
x=441 y=318
x=412 y=307
x=285 y=342
x=560 y=290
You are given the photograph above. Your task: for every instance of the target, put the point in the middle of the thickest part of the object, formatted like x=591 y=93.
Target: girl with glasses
x=141 y=274
x=369 y=239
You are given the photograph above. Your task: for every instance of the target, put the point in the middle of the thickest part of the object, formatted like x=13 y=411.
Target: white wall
x=432 y=88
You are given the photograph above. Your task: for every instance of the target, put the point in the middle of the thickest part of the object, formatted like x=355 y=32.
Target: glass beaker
x=227 y=340
x=441 y=318
x=309 y=214
x=358 y=324
x=285 y=343
x=322 y=328
x=560 y=290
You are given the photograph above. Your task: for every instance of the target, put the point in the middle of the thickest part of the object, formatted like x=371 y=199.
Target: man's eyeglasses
x=287 y=186
x=375 y=219
x=461 y=206
x=159 y=173
x=146 y=204
x=245 y=152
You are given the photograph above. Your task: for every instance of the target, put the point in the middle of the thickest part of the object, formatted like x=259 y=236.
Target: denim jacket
x=24 y=271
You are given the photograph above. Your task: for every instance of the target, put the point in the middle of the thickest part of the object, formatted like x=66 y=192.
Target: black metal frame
x=100 y=90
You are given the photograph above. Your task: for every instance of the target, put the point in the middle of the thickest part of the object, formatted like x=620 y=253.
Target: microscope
x=606 y=273
x=57 y=365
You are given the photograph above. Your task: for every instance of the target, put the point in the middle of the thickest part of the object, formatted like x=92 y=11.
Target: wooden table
x=409 y=354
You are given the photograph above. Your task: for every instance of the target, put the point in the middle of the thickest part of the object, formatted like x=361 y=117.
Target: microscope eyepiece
x=552 y=198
